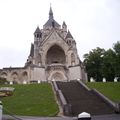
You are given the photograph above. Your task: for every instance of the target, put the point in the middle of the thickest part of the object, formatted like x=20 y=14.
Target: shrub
x=3 y=81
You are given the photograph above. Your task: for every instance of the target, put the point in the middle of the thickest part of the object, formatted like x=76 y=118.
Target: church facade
x=53 y=56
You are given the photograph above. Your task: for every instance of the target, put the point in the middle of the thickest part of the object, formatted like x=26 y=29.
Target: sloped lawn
x=109 y=89
x=32 y=99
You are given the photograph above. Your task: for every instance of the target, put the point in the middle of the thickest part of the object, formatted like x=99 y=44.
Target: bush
x=3 y=81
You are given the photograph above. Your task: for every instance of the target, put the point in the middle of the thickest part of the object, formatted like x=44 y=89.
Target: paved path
x=98 y=117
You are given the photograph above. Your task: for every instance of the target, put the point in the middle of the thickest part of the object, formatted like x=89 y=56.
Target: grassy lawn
x=32 y=99
x=109 y=89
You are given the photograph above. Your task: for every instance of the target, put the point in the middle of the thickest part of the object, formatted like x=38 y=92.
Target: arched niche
x=14 y=76
x=4 y=75
x=57 y=76
x=24 y=76
x=55 y=55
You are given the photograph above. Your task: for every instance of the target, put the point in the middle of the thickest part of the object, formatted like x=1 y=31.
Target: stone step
x=82 y=100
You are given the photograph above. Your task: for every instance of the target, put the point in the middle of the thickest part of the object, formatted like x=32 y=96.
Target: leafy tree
x=116 y=48
x=100 y=63
x=3 y=81
x=93 y=63
x=108 y=63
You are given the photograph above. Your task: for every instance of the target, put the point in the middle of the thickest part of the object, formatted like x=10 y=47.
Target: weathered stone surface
x=53 y=55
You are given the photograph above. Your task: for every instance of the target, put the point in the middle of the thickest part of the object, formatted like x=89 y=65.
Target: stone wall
x=17 y=75
x=75 y=73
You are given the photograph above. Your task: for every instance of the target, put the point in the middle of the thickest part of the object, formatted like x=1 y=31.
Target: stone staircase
x=82 y=100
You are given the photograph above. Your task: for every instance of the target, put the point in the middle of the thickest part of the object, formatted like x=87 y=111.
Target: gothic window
x=69 y=42
x=37 y=35
x=72 y=59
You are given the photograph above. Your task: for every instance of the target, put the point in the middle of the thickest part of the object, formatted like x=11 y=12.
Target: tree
x=108 y=69
x=116 y=48
x=3 y=81
x=93 y=62
x=100 y=63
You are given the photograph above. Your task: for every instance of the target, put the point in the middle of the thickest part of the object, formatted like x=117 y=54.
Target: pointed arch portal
x=55 y=55
x=57 y=76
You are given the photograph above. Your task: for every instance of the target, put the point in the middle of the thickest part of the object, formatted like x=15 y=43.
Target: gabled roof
x=69 y=35
x=52 y=31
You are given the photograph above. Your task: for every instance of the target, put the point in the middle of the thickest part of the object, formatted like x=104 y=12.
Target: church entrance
x=57 y=77
x=55 y=55
x=55 y=62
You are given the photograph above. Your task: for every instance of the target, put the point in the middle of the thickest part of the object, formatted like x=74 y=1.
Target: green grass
x=32 y=100
x=109 y=89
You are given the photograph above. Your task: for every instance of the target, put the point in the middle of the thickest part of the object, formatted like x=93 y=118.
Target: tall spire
x=50 y=13
x=51 y=22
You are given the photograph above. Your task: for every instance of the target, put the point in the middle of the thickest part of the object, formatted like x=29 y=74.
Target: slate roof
x=64 y=23
x=51 y=21
x=32 y=50
x=37 y=30
x=50 y=13
x=69 y=35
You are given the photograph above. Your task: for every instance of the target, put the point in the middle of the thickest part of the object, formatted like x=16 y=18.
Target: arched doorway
x=57 y=76
x=55 y=55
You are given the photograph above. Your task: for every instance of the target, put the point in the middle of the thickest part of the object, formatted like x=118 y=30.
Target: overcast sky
x=93 y=23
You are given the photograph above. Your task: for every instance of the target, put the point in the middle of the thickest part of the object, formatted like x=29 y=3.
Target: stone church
x=53 y=56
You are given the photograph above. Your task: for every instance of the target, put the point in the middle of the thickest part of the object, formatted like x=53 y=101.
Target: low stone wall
x=55 y=86
x=66 y=107
x=83 y=85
